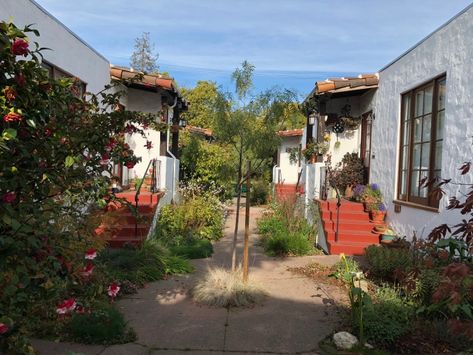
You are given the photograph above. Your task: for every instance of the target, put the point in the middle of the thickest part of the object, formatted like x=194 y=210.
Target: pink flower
x=48 y=132
x=91 y=254
x=88 y=270
x=19 y=47
x=3 y=328
x=113 y=290
x=12 y=117
x=9 y=197
x=66 y=306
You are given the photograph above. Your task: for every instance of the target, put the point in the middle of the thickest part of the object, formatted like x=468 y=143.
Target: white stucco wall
x=68 y=52
x=148 y=102
x=350 y=141
x=450 y=51
x=289 y=170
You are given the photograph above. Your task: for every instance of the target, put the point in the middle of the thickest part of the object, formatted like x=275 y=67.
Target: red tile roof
x=146 y=80
x=333 y=85
x=291 y=133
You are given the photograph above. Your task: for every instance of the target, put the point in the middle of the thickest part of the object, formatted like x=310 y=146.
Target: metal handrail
x=138 y=190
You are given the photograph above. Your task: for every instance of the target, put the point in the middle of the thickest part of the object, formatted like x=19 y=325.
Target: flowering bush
x=56 y=150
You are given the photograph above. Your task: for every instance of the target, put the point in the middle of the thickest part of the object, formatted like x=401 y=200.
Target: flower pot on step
x=377 y=216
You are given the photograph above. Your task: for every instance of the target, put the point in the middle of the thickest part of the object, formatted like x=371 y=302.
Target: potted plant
x=313 y=149
x=378 y=212
x=371 y=196
x=358 y=193
x=348 y=173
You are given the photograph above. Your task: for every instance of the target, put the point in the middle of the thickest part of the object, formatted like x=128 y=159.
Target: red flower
x=91 y=254
x=105 y=159
x=126 y=146
x=12 y=117
x=88 y=270
x=113 y=290
x=19 y=47
x=66 y=306
x=130 y=164
x=10 y=93
x=3 y=328
x=20 y=79
x=48 y=132
x=148 y=145
x=9 y=197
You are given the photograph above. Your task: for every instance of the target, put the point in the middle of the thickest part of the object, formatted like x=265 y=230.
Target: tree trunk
x=247 y=224
x=237 y=217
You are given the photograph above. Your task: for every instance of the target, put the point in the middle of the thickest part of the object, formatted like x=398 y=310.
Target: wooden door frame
x=367 y=119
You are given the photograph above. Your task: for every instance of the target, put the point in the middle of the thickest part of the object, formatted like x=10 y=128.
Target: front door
x=366 y=142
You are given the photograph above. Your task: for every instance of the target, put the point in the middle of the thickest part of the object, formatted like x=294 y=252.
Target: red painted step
x=354 y=227
x=122 y=231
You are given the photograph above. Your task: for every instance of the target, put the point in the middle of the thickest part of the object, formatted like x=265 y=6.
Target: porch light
x=312 y=118
x=182 y=123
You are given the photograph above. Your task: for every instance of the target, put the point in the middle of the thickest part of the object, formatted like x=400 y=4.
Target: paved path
x=296 y=315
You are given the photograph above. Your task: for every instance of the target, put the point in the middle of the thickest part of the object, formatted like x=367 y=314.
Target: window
x=422 y=121
x=79 y=87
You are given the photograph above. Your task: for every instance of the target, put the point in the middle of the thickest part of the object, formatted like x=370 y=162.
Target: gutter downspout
x=168 y=136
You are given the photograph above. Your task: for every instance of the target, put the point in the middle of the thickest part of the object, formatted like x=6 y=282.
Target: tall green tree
x=249 y=123
x=202 y=102
x=144 y=58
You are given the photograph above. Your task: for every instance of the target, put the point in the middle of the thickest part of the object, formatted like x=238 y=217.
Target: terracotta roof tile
x=198 y=130
x=346 y=84
x=291 y=133
x=147 y=80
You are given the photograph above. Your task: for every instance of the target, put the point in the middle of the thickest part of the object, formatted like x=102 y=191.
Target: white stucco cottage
x=416 y=122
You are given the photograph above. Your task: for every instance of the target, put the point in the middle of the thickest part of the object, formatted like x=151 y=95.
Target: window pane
x=403 y=183
x=416 y=157
x=442 y=86
x=438 y=155
x=423 y=191
x=405 y=153
x=405 y=138
x=419 y=103
x=425 y=164
x=426 y=127
x=428 y=93
x=440 y=123
x=407 y=106
x=415 y=183
x=417 y=130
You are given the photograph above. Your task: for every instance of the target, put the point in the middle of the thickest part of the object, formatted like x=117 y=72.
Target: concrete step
x=352 y=236
x=347 y=248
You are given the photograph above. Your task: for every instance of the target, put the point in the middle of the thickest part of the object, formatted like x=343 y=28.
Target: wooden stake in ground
x=247 y=223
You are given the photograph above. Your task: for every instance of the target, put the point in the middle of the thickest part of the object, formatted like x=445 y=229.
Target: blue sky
x=292 y=43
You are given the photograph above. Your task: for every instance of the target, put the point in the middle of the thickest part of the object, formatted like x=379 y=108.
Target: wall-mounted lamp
x=312 y=118
x=182 y=123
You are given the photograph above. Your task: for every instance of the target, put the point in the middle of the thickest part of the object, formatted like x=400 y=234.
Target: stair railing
x=339 y=203
x=151 y=163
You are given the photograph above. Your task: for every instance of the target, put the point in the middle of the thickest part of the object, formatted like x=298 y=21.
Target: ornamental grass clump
x=225 y=288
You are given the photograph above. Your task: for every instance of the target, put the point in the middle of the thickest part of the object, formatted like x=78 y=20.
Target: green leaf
x=31 y=123
x=9 y=133
x=69 y=161
x=466 y=308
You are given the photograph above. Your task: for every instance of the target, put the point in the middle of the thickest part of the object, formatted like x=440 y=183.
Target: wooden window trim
x=428 y=202
x=416 y=205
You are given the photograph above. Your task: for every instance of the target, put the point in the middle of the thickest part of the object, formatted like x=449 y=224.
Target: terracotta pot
x=377 y=216
x=313 y=159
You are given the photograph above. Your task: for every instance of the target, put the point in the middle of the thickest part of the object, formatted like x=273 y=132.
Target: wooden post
x=247 y=223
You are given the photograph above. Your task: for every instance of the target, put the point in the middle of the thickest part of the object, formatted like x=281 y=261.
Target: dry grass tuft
x=224 y=288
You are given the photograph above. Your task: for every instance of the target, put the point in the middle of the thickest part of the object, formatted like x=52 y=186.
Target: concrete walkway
x=296 y=315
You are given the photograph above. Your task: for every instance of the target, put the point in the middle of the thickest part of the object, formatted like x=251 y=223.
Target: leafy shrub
x=103 y=325
x=284 y=231
x=426 y=284
x=177 y=265
x=197 y=216
x=138 y=265
x=385 y=262
x=195 y=249
x=348 y=172
x=387 y=320
x=259 y=192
